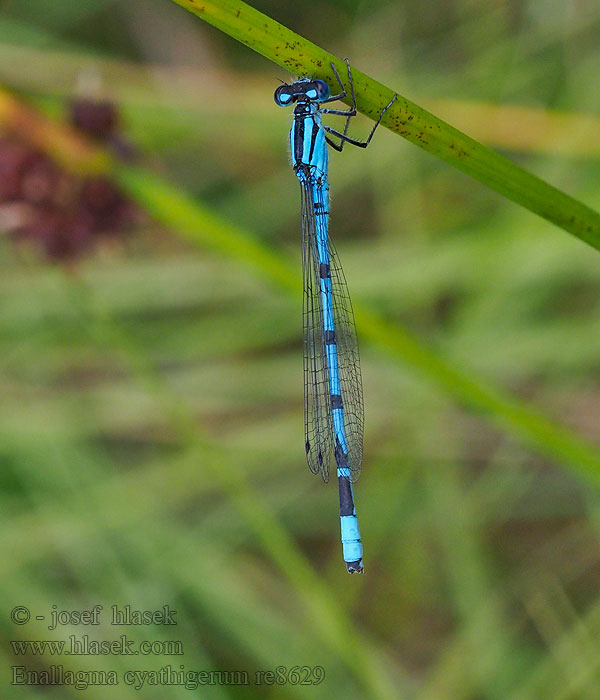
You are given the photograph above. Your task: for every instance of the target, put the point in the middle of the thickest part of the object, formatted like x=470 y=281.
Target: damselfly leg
x=343 y=136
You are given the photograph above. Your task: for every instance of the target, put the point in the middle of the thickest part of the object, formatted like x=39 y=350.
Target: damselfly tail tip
x=355 y=567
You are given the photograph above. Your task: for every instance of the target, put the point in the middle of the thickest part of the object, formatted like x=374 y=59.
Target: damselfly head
x=301 y=91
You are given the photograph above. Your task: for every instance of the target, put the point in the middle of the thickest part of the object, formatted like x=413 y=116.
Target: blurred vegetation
x=151 y=414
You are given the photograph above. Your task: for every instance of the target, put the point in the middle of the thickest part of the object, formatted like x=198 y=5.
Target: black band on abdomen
x=336 y=401
x=346 y=500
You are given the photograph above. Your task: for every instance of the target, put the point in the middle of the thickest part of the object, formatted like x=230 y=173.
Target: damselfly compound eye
x=322 y=90
x=283 y=96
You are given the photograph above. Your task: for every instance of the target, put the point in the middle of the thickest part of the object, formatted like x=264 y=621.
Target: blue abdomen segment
x=309 y=157
x=351 y=542
x=310 y=164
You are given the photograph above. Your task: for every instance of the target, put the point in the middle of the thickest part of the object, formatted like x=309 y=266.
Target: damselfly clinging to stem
x=333 y=403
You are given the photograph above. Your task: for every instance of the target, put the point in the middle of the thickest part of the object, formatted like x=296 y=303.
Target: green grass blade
x=298 y=55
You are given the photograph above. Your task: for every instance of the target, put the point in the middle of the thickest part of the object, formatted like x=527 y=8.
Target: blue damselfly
x=333 y=402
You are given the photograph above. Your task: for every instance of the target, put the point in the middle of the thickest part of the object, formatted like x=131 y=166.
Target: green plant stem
x=298 y=55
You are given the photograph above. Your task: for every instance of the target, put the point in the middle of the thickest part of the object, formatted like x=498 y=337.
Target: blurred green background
x=151 y=411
